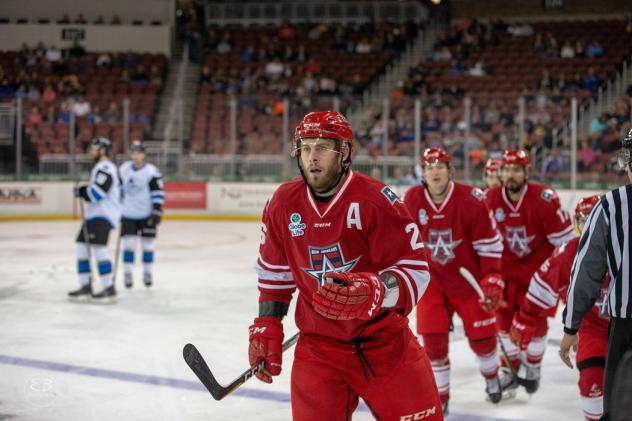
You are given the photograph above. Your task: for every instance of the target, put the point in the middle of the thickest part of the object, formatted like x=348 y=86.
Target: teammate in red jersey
x=547 y=285
x=532 y=223
x=491 y=173
x=458 y=231
x=350 y=247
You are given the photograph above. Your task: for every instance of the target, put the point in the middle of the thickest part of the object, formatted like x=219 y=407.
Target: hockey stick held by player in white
x=196 y=363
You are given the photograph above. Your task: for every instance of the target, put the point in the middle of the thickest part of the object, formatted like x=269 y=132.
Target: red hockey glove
x=346 y=296
x=493 y=287
x=266 y=343
x=522 y=329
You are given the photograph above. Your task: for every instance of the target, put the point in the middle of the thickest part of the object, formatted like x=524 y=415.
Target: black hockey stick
x=86 y=236
x=467 y=275
x=196 y=363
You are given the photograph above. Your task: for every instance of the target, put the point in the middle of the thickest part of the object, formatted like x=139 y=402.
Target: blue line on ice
x=178 y=383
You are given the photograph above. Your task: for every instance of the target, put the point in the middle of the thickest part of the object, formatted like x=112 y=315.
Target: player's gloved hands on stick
x=493 y=287
x=266 y=344
x=346 y=296
x=82 y=192
x=522 y=329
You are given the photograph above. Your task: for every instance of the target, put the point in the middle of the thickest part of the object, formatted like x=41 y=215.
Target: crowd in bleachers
x=306 y=64
x=494 y=64
x=55 y=83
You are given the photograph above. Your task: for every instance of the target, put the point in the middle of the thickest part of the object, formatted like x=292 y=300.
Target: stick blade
x=196 y=363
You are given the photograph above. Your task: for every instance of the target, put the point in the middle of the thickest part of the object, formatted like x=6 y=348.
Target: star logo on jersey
x=326 y=260
x=518 y=240
x=441 y=245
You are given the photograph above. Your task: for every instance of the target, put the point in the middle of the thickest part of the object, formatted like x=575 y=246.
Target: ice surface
x=68 y=361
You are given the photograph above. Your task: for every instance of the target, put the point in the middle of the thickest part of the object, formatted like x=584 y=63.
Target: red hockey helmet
x=585 y=206
x=432 y=155
x=516 y=157
x=492 y=165
x=326 y=124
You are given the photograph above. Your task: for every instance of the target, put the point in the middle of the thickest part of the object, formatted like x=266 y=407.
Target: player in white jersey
x=143 y=197
x=102 y=214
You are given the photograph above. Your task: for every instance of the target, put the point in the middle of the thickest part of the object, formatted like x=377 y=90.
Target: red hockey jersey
x=458 y=232
x=550 y=282
x=531 y=228
x=365 y=227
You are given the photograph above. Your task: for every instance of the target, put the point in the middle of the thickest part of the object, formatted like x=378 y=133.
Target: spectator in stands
x=363 y=46
x=65 y=19
x=455 y=67
x=443 y=55
x=594 y=49
x=545 y=82
x=312 y=66
x=287 y=32
x=21 y=92
x=309 y=83
x=104 y=60
x=248 y=55
x=80 y=19
x=599 y=124
x=99 y=20
x=553 y=164
x=579 y=48
x=64 y=113
x=561 y=83
x=591 y=80
x=224 y=47
x=81 y=107
x=53 y=54
x=77 y=50
x=520 y=30
x=94 y=116
x=140 y=75
x=155 y=76
x=274 y=69
x=567 y=50
x=34 y=116
x=33 y=93
x=478 y=69
x=538 y=43
x=206 y=75
x=587 y=156
x=112 y=115
x=327 y=85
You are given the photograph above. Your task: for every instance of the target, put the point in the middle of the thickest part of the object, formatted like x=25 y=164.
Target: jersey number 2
x=412 y=228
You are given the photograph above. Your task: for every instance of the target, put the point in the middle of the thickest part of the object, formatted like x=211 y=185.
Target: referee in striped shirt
x=604 y=245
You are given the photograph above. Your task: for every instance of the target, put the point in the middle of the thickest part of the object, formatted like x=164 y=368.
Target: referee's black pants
x=619 y=342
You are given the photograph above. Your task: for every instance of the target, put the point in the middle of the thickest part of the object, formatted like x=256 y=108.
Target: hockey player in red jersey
x=491 y=173
x=549 y=283
x=532 y=223
x=350 y=247
x=458 y=231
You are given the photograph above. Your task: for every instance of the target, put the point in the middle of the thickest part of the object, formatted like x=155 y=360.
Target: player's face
x=321 y=163
x=514 y=177
x=437 y=177
x=138 y=158
x=95 y=152
x=492 y=179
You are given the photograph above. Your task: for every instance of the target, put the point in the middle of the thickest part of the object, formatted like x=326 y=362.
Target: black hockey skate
x=128 y=280
x=108 y=294
x=148 y=279
x=508 y=383
x=493 y=390
x=84 y=292
x=531 y=381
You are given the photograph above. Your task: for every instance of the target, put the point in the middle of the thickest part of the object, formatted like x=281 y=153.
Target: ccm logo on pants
x=419 y=415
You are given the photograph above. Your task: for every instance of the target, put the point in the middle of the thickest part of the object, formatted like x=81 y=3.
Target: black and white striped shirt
x=604 y=245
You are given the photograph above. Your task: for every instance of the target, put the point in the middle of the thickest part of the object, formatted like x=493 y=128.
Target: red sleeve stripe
x=271 y=267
